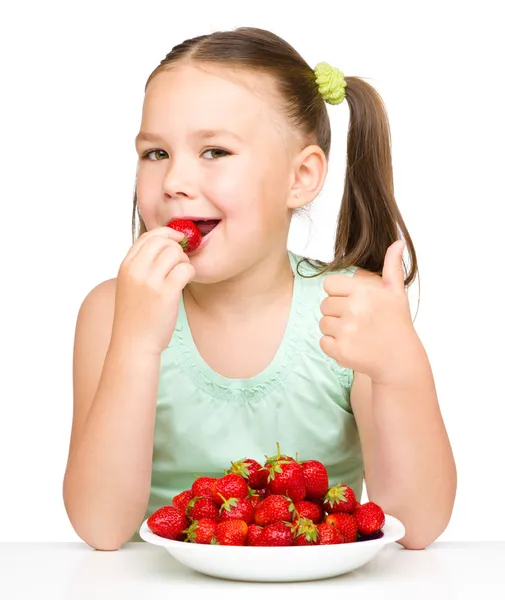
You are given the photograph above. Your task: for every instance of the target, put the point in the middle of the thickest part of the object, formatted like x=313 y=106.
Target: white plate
x=288 y=563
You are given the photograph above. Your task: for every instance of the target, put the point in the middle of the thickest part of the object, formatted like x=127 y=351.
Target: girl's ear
x=309 y=172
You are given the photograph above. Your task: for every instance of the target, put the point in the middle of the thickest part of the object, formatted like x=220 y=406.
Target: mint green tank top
x=301 y=400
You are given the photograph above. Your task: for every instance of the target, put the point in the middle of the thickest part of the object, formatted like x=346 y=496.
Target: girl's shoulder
x=310 y=268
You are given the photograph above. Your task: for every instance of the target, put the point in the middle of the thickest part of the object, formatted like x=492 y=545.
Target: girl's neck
x=263 y=284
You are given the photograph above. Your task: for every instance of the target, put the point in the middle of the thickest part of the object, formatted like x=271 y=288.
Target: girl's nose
x=179 y=181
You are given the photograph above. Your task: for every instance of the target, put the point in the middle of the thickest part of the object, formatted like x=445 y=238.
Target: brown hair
x=369 y=219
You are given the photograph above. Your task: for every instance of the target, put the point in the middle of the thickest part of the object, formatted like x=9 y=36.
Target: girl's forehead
x=217 y=97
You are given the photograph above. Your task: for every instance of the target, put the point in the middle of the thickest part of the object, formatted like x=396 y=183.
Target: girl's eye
x=146 y=154
x=218 y=150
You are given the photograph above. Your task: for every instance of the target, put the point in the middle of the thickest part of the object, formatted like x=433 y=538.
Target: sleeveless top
x=204 y=421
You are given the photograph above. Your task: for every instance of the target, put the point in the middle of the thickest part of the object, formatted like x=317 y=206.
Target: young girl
x=187 y=361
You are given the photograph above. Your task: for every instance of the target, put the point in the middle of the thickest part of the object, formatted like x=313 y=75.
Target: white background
x=73 y=76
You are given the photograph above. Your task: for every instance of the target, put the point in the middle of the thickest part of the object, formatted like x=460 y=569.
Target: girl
x=186 y=361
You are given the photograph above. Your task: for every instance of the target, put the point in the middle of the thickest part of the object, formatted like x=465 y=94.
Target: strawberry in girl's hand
x=231 y=533
x=199 y=508
x=346 y=524
x=285 y=476
x=315 y=477
x=229 y=486
x=192 y=236
x=168 y=522
x=276 y=534
x=370 y=518
x=237 y=508
x=272 y=509
x=340 y=498
x=182 y=500
x=252 y=471
x=202 y=486
x=201 y=531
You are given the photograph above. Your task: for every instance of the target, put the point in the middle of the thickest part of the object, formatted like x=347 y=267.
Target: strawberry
x=327 y=534
x=231 y=533
x=168 y=522
x=309 y=510
x=285 y=476
x=201 y=531
x=237 y=508
x=340 y=498
x=229 y=486
x=274 y=508
x=305 y=532
x=256 y=496
x=202 y=486
x=181 y=500
x=315 y=477
x=252 y=471
x=192 y=235
x=199 y=508
x=370 y=518
x=346 y=524
x=253 y=535
x=276 y=534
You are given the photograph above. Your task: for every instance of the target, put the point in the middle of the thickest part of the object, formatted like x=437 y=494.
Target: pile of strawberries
x=281 y=503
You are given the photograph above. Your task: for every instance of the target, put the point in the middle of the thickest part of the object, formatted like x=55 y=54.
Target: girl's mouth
x=207 y=226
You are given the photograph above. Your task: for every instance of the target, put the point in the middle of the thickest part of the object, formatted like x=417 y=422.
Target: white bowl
x=288 y=563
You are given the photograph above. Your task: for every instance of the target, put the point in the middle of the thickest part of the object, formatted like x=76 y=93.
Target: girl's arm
x=108 y=476
x=409 y=465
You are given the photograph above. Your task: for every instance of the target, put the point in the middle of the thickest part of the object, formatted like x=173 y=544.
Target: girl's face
x=216 y=149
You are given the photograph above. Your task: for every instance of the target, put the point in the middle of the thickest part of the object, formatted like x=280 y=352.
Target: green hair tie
x=331 y=83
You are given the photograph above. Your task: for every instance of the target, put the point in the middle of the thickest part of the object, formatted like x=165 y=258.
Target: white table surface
x=142 y=571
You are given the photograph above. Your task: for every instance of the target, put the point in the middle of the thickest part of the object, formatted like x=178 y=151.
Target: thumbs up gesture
x=366 y=321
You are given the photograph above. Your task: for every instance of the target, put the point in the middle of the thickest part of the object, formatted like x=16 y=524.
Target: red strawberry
x=192 y=234
x=306 y=533
x=315 y=477
x=201 y=531
x=328 y=535
x=199 y=508
x=346 y=524
x=254 y=535
x=370 y=518
x=285 y=476
x=256 y=496
x=229 y=486
x=309 y=510
x=251 y=470
x=274 y=508
x=181 y=500
x=340 y=498
x=231 y=533
x=202 y=486
x=168 y=522
x=237 y=508
x=276 y=534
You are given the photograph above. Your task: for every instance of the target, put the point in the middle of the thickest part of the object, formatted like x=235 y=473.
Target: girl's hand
x=366 y=321
x=148 y=290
